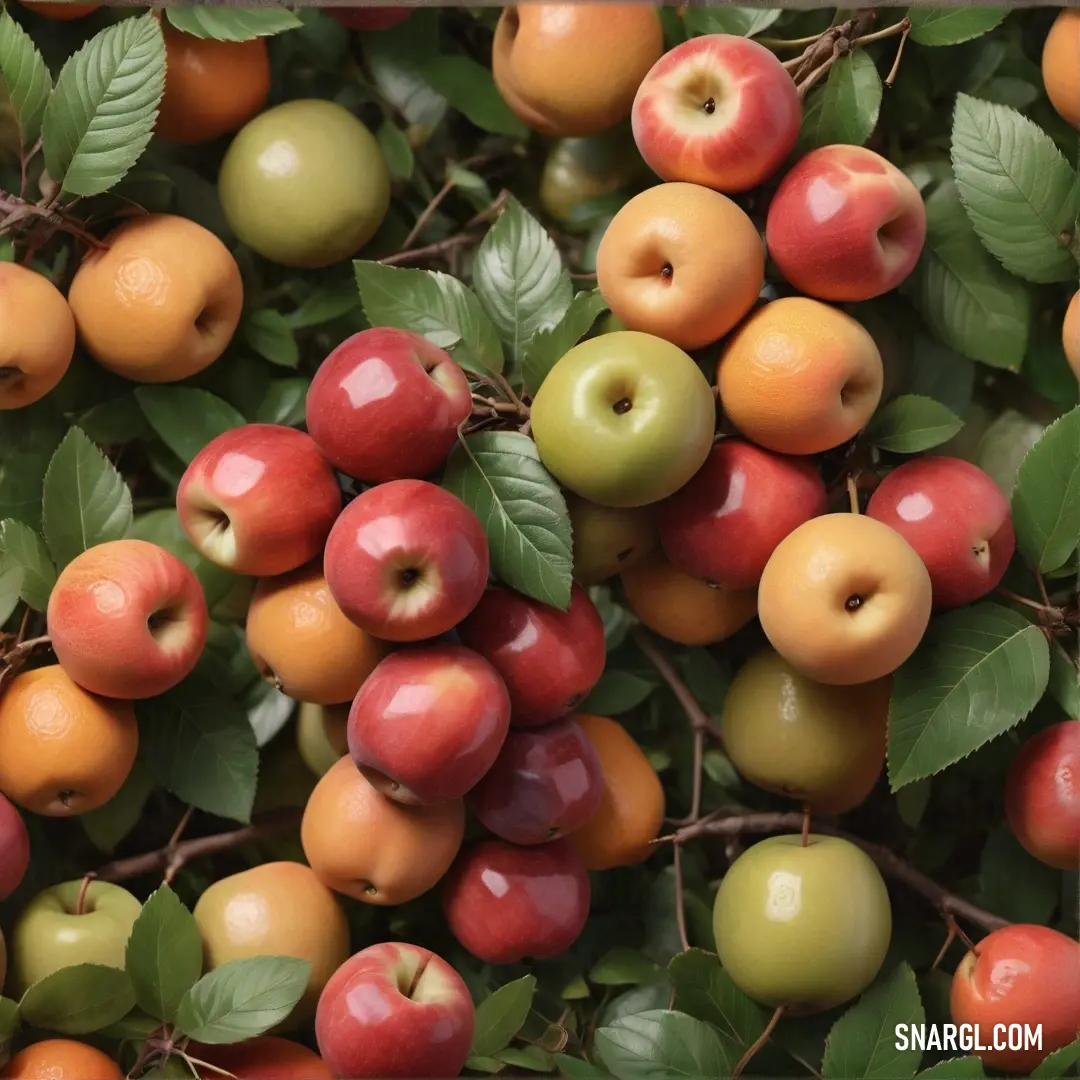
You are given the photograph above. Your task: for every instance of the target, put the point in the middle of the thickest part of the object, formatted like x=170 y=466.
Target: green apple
x=304 y=184
x=822 y=745
x=50 y=934
x=579 y=170
x=607 y=540
x=803 y=927
x=321 y=735
x=624 y=419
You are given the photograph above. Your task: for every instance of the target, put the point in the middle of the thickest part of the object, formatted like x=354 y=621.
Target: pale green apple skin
x=304 y=184
x=48 y=935
x=615 y=455
x=607 y=540
x=803 y=927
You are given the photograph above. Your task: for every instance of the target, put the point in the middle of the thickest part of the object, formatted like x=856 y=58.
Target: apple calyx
x=388 y=786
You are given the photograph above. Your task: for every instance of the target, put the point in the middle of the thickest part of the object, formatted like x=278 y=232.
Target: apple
x=1042 y=795
x=1070 y=334
x=386 y=404
x=718 y=110
x=428 y=723
x=545 y=783
x=266 y=1057
x=803 y=927
x=957 y=520
x=369 y=18
x=62 y=1058
x=579 y=172
x=406 y=560
x=322 y=736
x=127 y=619
x=259 y=500
x=726 y=522
x=395 y=1010
x=1060 y=64
x=1020 y=974
x=844 y=599
x=506 y=904
x=607 y=539
x=14 y=849
x=624 y=419
x=284 y=154
x=53 y=931
x=549 y=659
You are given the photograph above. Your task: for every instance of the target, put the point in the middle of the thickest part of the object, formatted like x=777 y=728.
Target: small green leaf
x=523 y=511
x=397 y=151
x=746 y=22
x=268 y=333
x=845 y=109
x=470 y=88
x=487 y=1065
x=617 y=692
x=953 y=25
x=136 y=1026
x=1058 y=1064
x=85 y=500
x=909 y=424
x=24 y=76
x=185 y=418
x=1064 y=685
x=9 y=1027
x=940 y=373
x=285 y=403
x=101 y=114
x=399 y=82
x=472 y=185
x=703 y=989
x=324 y=306
x=499 y=1016
x=232 y=23
x=28 y=439
x=11 y=575
x=109 y=824
x=623 y=966
x=78 y=1000
x=28 y=551
x=664 y=1045
x=548 y=347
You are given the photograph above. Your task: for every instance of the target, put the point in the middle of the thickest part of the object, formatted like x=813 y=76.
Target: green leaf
x=617 y=692
x=9 y=1027
x=487 y=1065
x=977 y=673
x=1021 y=195
x=523 y=511
x=268 y=333
x=400 y=83
x=118 y=420
x=27 y=550
x=703 y=989
x=664 y=1045
x=101 y=114
x=1057 y=1064
x=25 y=77
x=436 y=305
x=242 y=998
x=519 y=277
x=232 y=23
x=965 y=1068
x=909 y=424
x=164 y=954
x=940 y=373
x=324 y=306
x=952 y=25
x=499 y=1016
x=746 y=22
x=10 y=586
x=397 y=151
x=548 y=347
x=576 y=1069
x=185 y=418
x=78 y=1000
x=533 y=1058
x=109 y=824
x=623 y=966
x=28 y=439
x=845 y=109
x=136 y=1026
x=1046 y=499
x=84 y=501
x=862 y=1043
x=200 y=746
x=1014 y=884
x=470 y=88
x=1064 y=685
x=285 y=402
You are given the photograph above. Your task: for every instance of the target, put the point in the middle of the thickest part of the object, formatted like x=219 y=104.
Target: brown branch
x=753 y=1049
x=429 y=251
x=699 y=719
x=680 y=899
x=425 y=214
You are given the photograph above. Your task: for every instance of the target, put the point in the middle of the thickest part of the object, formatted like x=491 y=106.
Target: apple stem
x=759 y=1042
x=193 y=1061
x=80 y=904
x=415 y=981
x=853 y=492
x=805 y=839
x=895 y=69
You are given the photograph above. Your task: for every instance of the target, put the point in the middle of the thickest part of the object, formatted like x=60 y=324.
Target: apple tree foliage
x=975 y=368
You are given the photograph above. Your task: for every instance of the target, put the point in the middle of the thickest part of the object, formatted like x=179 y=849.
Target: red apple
x=845 y=224
x=266 y=1057
x=428 y=723
x=406 y=561
x=957 y=520
x=395 y=1010
x=545 y=783
x=14 y=848
x=549 y=659
x=506 y=904
x=369 y=18
x=725 y=523
x=718 y=110
x=127 y=619
x=1042 y=795
x=386 y=404
x=1019 y=975
x=259 y=500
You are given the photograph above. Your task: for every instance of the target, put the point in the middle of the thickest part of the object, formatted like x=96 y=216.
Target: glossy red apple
x=14 y=848
x=725 y=523
x=406 y=560
x=386 y=405
x=957 y=520
x=1021 y=974
x=1042 y=795
x=506 y=904
x=545 y=783
x=395 y=1010
x=845 y=224
x=549 y=659
x=259 y=500
x=369 y=18
x=428 y=723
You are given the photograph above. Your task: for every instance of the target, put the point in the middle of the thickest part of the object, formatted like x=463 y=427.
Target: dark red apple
x=369 y=18
x=14 y=848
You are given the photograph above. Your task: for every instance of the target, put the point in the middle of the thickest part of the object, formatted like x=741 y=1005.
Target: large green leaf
x=548 y=347
x=910 y=423
x=664 y=1045
x=78 y=1000
x=952 y=25
x=500 y=1015
x=186 y=418
x=28 y=439
x=27 y=550
x=704 y=989
x=232 y=23
x=623 y=966
x=469 y=87
x=845 y=109
x=617 y=692
x=25 y=77
x=1059 y=1063
x=110 y=823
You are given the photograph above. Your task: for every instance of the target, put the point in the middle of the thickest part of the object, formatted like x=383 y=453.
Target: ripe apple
x=845 y=224
x=53 y=932
x=428 y=723
x=1020 y=974
x=804 y=927
x=322 y=736
x=578 y=171
x=607 y=539
x=1061 y=66
x=844 y=599
x=386 y=404
x=718 y=110
x=259 y=499
x=1042 y=795
x=548 y=659
x=266 y=1057
x=63 y=1058
x=14 y=848
x=624 y=419
x=1070 y=334
x=957 y=520
x=545 y=783
x=127 y=619
x=369 y=18
x=406 y=560
x=726 y=522
x=395 y=1010
x=506 y=904
x=279 y=158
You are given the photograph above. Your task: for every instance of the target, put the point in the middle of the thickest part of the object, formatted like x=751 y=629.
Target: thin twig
x=175 y=862
x=894 y=71
x=792 y=43
x=758 y=1043
x=696 y=714
x=425 y=214
x=428 y=251
x=902 y=27
x=680 y=900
